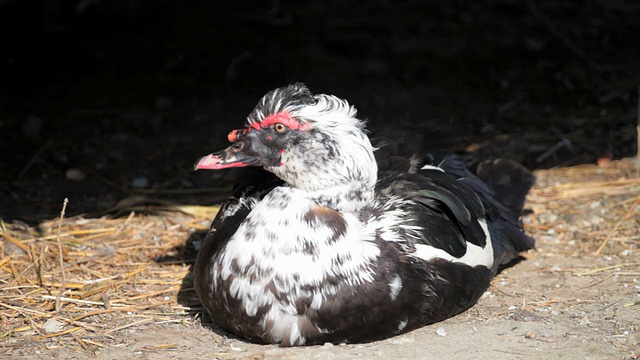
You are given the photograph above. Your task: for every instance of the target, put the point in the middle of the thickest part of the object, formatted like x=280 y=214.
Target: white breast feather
x=282 y=258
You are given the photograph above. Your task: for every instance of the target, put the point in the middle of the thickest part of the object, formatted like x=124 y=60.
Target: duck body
x=337 y=252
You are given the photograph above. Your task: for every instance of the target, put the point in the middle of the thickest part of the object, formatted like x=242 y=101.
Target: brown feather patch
x=329 y=217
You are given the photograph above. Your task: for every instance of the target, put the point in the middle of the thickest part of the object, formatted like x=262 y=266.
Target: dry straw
x=100 y=278
x=97 y=277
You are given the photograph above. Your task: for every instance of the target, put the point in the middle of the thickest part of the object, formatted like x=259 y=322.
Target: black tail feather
x=504 y=180
x=509 y=180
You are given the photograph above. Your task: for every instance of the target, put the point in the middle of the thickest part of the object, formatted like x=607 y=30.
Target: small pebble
x=488 y=295
x=52 y=326
x=197 y=245
x=140 y=182
x=12 y=249
x=76 y=174
x=584 y=321
x=441 y=332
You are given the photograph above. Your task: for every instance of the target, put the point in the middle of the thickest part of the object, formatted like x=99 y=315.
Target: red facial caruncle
x=283 y=118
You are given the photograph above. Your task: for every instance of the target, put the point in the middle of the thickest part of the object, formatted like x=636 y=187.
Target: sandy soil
x=130 y=96
x=562 y=301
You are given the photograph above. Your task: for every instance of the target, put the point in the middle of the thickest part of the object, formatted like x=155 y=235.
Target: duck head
x=312 y=142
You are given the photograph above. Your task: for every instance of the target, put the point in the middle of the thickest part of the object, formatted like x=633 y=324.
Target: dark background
x=132 y=92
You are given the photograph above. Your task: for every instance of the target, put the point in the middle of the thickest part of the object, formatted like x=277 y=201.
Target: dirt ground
x=567 y=299
x=109 y=103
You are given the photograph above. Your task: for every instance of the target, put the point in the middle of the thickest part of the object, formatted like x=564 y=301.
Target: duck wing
x=446 y=210
x=454 y=210
x=502 y=186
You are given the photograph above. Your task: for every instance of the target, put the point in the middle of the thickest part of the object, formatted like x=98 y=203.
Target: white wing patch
x=475 y=255
x=431 y=167
x=402 y=325
x=387 y=225
x=395 y=286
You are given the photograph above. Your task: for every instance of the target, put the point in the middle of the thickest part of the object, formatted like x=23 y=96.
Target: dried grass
x=586 y=182
x=130 y=272
x=603 y=201
x=120 y=274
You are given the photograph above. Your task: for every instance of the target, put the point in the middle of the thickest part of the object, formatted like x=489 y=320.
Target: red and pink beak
x=216 y=162
x=248 y=149
x=253 y=146
x=231 y=157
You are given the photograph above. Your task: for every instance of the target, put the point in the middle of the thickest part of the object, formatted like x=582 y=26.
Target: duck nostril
x=237 y=146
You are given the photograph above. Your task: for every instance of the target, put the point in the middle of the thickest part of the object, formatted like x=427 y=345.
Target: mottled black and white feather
x=336 y=251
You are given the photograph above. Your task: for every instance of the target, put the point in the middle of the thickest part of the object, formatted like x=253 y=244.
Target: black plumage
x=333 y=250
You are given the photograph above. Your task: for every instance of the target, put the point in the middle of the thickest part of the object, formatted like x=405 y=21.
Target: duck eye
x=280 y=128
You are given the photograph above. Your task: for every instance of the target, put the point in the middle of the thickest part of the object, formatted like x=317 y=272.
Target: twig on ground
x=61 y=257
x=638 y=138
x=135 y=323
x=564 y=142
x=610 y=267
x=57 y=333
x=631 y=211
x=560 y=144
x=70 y=300
x=561 y=136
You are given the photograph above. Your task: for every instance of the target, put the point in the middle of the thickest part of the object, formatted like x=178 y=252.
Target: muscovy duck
x=334 y=251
